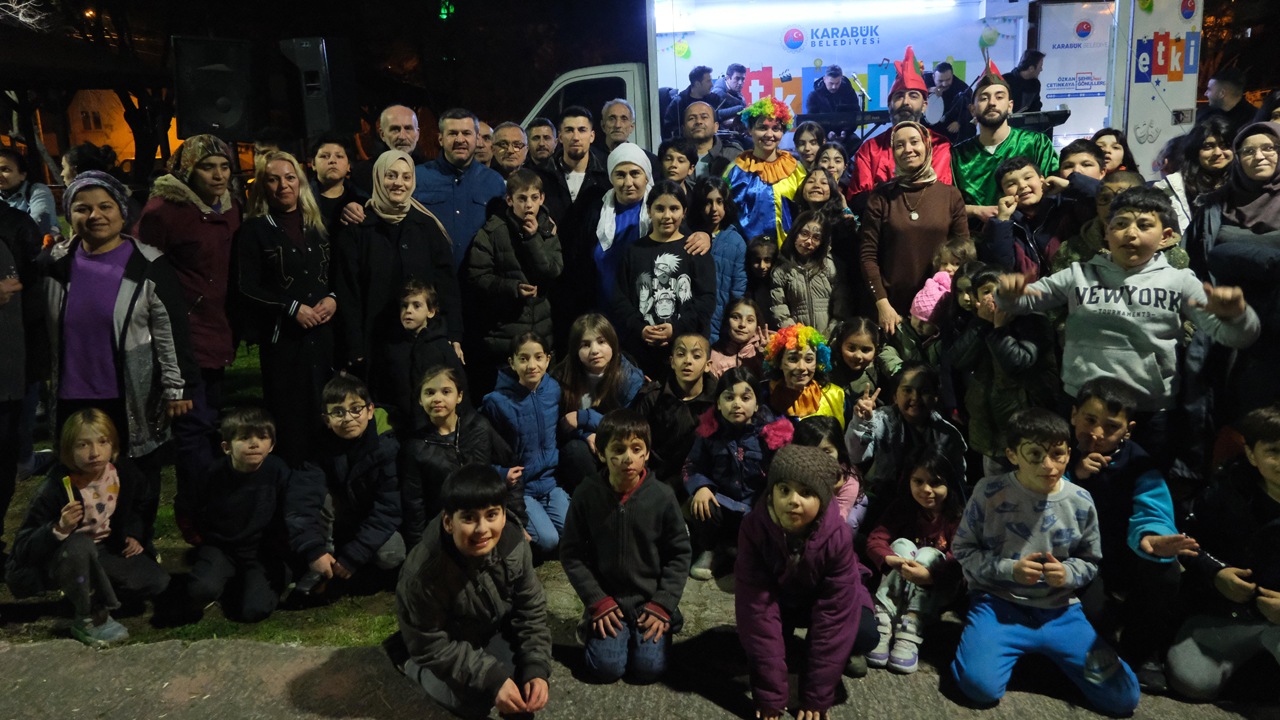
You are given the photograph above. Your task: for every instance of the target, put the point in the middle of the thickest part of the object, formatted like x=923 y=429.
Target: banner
x=1075 y=39
x=1165 y=69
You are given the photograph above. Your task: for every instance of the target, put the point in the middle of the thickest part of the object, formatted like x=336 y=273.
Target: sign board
x=1075 y=38
x=1164 y=68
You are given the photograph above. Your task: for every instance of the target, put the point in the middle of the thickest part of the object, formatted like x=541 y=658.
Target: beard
x=995 y=122
x=905 y=114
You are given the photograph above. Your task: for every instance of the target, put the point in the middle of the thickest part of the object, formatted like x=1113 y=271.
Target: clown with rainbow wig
x=796 y=364
x=763 y=177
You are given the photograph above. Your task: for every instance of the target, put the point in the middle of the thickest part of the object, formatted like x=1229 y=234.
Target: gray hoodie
x=1126 y=323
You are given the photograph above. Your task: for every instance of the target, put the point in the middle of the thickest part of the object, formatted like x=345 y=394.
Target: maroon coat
x=197 y=242
x=825 y=589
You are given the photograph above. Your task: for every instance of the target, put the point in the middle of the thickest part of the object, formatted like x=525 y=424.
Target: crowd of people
x=979 y=375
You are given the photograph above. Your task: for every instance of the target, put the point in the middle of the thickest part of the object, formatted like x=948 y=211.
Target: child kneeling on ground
x=472 y=613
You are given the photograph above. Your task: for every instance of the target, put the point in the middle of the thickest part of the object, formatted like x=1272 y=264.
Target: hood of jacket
x=170 y=188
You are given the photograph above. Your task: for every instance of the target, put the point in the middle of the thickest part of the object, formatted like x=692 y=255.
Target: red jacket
x=197 y=242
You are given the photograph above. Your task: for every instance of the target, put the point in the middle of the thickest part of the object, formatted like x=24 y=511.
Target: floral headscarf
x=194 y=149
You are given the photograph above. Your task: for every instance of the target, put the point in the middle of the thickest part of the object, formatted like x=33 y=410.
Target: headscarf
x=98 y=179
x=605 y=229
x=381 y=202
x=194 y=149
x=925 y=175
x=1253 y=204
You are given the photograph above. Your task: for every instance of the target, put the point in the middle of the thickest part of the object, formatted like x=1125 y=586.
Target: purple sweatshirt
x=826 y=585
x=88 y=328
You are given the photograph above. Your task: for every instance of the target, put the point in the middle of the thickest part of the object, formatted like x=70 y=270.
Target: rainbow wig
x=767 y=107
x=797 y=337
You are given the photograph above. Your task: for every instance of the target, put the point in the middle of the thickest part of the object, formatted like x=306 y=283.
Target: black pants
x=576 y=464
x=10 y=421
x=196 y=432
x=1147 y=614
x=93 y=578
x=718 y=530
x=294 y=371
x=244 y=584
x=868 y=634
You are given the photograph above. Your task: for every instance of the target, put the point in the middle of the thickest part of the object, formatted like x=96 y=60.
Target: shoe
x=856 y=666
x=311 y=584
x=879 y=657
x=397 y=651
x=905 y=657
x=98 y=634
x=701 y=568
x=40 y=464
x=1151 y=678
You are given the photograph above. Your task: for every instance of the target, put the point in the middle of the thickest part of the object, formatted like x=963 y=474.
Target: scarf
x=607 y=227
x=1253 y=204
x=194 y=149
x=381 y=202
x=801 y=404
x=771 y=173
x=98 y=179
x=925 y=175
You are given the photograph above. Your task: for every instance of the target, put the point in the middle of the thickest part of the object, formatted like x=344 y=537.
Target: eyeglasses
x=507 y=145
x=1259 y=150
x=341 y=413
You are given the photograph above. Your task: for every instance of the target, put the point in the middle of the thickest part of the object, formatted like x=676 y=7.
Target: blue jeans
x=547 y=505
x=998 y=632
x=457 y=701
x=609 y=658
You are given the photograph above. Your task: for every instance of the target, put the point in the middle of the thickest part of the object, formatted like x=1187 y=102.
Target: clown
x=796 y=365
x=761 y=179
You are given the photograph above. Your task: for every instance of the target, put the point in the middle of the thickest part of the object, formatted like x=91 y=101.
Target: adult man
x=618 y=120
x=727 y=91
x=454 y=187
x=397 y=129
x=700 y=83
x=484 y=144
x=1226 y=98
x=832 y=93
x=873 y=163
x=510 y=147
x=1024 y=82
x=575 y=168
x=974 y=161
x=700 y=127
x=956 y=122
x=542 y=140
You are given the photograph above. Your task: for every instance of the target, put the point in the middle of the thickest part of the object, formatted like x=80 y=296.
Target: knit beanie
x=98 y=179
x=806 y=467
x=929 y=303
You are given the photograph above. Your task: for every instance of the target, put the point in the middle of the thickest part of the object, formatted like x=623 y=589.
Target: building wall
x=97 y=116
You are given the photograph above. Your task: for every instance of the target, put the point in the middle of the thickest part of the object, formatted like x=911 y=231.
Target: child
x=423 y=343
x=1011 y=365
x=626 y=552
x=796 y=365
x=762 y=256
x=724 y=471
x=1115 y=148
x=1125 y=311
x=953 y=254
x=919 y=338
x=678 y=157
x=1027 y=230
x=524 y=411
x=82 y=532
x=1081 y=156
x=710 y=212
x=1235 y=579
x=1027 y=543
x=912 y=547
x=833 y=158
x=826 y=434
x=1091 y=238
x=347 y=515
x=455 y=435
x=673 y=405
x=471 y=610
x=1135 y=520
x=796 y=567
x=662 y=290
x=510 y=268
x=233 y=516
x=807 y=288
x=865 y=363
x=742 y=340
x=594 y=379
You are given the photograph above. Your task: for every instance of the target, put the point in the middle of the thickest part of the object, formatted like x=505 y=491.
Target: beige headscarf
x=925 y=175
x=381 y=202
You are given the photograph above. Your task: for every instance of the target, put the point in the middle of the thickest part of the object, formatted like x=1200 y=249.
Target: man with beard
x=700 y=127
x=575 y=168
x=956 y=122
x=728 y=101
x=454 y=187
x=510 y=147
x=974 y=161
x=542 y=141
x=398 y=130
x=873 y=163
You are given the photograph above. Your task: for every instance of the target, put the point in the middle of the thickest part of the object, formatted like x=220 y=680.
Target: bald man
x=700 y=127
x=398 y=130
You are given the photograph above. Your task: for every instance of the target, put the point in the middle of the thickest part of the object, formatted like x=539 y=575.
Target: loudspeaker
x=214 y=85
x=323 y=86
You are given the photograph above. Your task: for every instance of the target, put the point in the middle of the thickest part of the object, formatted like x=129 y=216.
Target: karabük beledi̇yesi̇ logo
x=1084 y=29
x=793 y=39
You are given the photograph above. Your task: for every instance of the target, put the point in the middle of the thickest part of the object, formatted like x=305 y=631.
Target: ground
x=326 y=662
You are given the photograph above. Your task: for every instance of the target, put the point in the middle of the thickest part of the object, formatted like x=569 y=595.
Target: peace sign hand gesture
x=866 y=404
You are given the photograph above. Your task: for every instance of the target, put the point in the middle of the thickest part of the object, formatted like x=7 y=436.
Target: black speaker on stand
x=323 y=86
x=213 y=80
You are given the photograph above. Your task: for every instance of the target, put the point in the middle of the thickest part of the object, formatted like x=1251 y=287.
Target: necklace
x=914 y=215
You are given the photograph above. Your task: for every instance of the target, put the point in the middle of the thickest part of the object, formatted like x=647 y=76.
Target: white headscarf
x=627 y=152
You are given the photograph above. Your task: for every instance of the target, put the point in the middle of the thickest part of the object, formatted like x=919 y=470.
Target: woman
x=907 y=220
x=84 y=157
x=118 y=329
x=1116 y=150
x=398 y=239
x=32 y=198
x=1269 y=111
x=796 y=384
x=331 y=162
x=1208 y=156
x=806 y=288
x=807 y=139
x=283 y=261
x=761 y=179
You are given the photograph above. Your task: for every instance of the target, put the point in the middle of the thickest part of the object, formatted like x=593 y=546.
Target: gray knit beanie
x=98 y=179
x=807 y=467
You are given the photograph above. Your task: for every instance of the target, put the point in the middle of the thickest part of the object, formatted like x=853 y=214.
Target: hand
x=591 y=443
x=509 y=699
x=340 y=571
x=353 y=214
x=527 y=536
x=762 y=716
x=811 y=715
x=325 y=309
x=179 y=407
x=1055 y=573
x=1268 y=604
x=763 y=334
x=980 y=212
x=702 y=502
x=1014 y=286
x=653 y=627
x=987 y=309
x=1230 y=582
x=8 y=287
x=915 y=573
x=1091 y=465
x=1027 y=571
x=527 y=291
x=895 y=561
x=457 y=348
x=1224 y=302
x=1167 y=546
x=1005 y=207
x=72 y=514
x=953 y=127
x=1054 y=185
x=698 y=243
x=530 y=225
x=866 y=405
x=889 y=318
x=569 y=422
x=307 y=316
x=514 y=474
x=535 y=695
x=324 y=565
x=610 y=622
x=131 y=547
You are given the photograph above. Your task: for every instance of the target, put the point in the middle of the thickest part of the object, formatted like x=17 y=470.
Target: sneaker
x=311 y=584
x=1151 y=677
x=701 y=568
x=879 y=657
x=856 y=666
x=98 y=634
x=905 y=657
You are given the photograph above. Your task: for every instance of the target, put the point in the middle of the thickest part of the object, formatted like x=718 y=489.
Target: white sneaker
x=879 y=657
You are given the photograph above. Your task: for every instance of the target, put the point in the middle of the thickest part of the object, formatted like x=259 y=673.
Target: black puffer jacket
x=398 y=366
x=672 y=420
x=822 y=100
x=24 y=354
